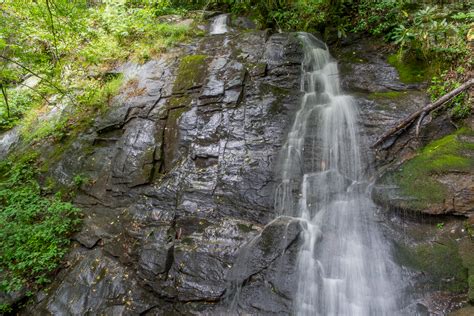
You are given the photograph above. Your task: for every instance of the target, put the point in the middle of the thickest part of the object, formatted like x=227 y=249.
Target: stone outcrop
x=179 y=177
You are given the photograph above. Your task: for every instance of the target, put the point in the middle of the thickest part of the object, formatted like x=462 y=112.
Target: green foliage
x=297 y=15
x=471 y=288
x=97 y=93
x=80 y=180
x=5 y=308
x=95 y=96
x=133 y=25
x=378 y=18
x=460 y=106
x=469 y=229
x=286 y=15
x=67 y=43
x=20 y=101
x=34 y=228
x=431 y=34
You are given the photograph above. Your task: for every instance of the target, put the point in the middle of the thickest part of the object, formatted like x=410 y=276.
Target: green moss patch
x=245 y=228
x=179 y=101
x=387 y=95
x=192 y=71
x=416 y=177
x=440 y=261
x=410 y=70
x=465 y=311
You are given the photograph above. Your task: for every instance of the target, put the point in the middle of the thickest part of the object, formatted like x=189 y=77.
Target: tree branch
x=37 y=92
x=49 y=82
x=424 y=111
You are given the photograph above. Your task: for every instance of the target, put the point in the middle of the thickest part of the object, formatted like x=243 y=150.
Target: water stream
x=344 y=265
x=219 y=25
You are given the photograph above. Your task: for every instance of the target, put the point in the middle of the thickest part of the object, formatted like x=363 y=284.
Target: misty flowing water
x=344 y=265
x=219 y=25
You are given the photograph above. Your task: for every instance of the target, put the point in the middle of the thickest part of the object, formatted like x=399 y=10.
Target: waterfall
x=344 y=265
x=219 y=25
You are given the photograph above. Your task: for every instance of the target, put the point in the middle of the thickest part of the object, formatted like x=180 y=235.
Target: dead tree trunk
x=423 y=112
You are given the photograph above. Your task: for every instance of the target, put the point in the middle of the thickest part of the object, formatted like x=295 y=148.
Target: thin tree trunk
x=424 y=111
x=5 y=98
x=53 y=31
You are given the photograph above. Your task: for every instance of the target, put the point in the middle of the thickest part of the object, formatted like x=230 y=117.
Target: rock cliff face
x=177 y=202
x=179 y=177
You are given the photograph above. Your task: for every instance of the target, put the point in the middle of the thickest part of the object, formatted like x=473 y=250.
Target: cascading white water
x=219 y=25
x=344 y=265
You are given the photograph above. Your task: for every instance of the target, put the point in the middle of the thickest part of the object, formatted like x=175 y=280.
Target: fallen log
x=421 y=113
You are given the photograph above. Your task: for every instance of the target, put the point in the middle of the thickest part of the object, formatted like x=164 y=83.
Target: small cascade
x=344 y=265
x=219 y=24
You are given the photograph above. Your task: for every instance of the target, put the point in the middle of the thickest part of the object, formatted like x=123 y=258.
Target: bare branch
x=427 y=109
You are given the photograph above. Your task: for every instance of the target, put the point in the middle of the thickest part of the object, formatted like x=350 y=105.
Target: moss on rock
x=192 y=71
x=465 y=311
x=387 y=95
x=179 y=102
x=417 y=177
x=441 y=261
x=409 y=70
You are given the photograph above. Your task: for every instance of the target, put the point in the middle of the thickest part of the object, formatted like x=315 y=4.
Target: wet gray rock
x=180 y=176
x=243 y=23
x=270 y=244
x=99 y=285
x=263 y=279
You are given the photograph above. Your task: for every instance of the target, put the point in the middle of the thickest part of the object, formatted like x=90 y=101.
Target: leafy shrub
x=34 y=228
x=460 y=106
x=378 y=17
x=70 y=42
x=429 y=34
x=19 y=101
